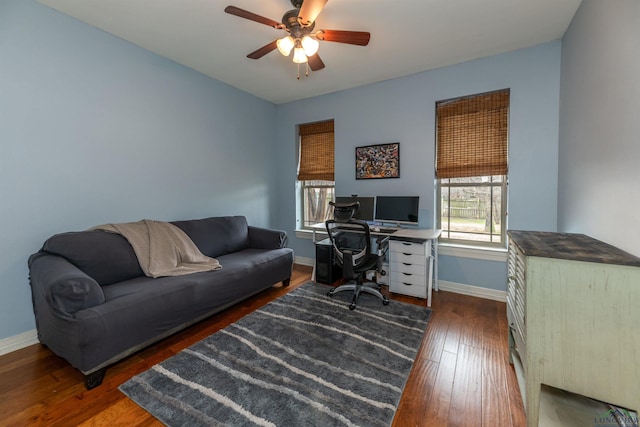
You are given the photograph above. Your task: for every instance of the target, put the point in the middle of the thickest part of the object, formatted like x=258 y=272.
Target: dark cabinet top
x=576 y=247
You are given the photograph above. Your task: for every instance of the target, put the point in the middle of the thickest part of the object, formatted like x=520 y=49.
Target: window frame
x=302 y=186
x=474 y=144
x=503 y=186
x=316 y=166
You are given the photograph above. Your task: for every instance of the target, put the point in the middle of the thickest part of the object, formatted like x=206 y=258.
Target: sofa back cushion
x=105 y=257
x=218 y=235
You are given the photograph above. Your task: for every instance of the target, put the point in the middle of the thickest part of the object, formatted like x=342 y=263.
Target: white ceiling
x=407 y=37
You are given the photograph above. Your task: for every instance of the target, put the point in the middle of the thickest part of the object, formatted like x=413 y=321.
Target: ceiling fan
x=299 y=23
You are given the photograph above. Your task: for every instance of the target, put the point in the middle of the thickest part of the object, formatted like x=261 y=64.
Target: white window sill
x=308 y=234
x=474 y=252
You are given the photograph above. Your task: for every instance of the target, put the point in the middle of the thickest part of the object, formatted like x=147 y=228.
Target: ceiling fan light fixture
x=299 y=24
x=310 y=45
x=285 y=45
x=299 y=57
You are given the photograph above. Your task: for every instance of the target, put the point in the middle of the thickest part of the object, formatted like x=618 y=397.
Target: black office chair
x=351 y=242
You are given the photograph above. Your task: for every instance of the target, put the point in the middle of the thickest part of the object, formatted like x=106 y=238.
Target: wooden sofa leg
x=286 y=282
x=94 y=379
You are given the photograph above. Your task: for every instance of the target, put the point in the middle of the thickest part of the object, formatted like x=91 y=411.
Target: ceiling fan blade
x=232 y=10
x=257 y=54
x=315 y=63
x=310 y=10
x=360 y=38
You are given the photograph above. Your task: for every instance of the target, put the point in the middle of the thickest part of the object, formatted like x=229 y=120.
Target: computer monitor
x=366 y=210
x=397 y=209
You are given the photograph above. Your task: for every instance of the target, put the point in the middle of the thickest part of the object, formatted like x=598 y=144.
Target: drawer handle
x=406 y=244
x=404 y=253
x=406 y=263
x=407 y=274
x=407 y=284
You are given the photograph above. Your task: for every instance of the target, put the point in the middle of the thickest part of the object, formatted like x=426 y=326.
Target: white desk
x=400 y=264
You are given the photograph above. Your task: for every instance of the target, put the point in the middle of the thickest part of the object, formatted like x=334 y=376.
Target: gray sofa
x=94 y=306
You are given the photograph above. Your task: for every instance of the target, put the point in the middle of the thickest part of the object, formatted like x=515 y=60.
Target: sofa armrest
x=267 y=238
x=62 y=285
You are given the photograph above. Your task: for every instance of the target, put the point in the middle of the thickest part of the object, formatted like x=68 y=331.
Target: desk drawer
x=407 y=258
x=408 y=287
x=408 y=278
x=403 y=269
x=407 y=247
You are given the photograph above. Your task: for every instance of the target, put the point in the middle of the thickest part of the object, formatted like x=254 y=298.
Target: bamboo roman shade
x=316 y=152
x=472 y=136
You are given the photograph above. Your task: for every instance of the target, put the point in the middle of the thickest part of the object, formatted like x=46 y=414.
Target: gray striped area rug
x=302 y=360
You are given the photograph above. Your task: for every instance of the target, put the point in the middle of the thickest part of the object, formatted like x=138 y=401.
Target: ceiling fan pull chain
x=298 y=71
x=307 y=71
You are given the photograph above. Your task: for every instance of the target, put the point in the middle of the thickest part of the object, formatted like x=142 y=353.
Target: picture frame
x=378 y=161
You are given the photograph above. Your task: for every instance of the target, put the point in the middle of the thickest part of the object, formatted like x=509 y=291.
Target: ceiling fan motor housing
x=291 y=23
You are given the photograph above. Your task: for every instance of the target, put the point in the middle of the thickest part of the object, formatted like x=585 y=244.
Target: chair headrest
x=343 y=212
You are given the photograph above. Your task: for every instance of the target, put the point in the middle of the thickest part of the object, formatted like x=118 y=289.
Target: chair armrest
x=267 y=238
x=62 y=285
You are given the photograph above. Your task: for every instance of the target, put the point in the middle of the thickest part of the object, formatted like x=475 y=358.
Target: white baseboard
x=16 y=342
x=474 y=291
x=305 y=261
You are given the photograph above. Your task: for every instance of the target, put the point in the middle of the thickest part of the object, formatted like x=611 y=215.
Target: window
x=315 y=173
x=472 y=168
x=316 y=196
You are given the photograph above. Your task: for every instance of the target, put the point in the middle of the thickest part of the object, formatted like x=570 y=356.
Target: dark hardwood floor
x=461 y=376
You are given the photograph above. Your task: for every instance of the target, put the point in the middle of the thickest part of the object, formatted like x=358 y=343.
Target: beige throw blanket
x=162 y=248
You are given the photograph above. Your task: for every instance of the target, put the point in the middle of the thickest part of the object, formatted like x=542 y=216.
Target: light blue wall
x=94 y=129
x=402 y=110
x=599 y=180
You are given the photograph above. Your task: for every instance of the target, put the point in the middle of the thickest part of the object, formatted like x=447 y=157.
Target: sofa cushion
x=105 y=257
x=218 y=235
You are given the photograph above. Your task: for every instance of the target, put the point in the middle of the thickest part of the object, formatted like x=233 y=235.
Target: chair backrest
x=351 y=241
x=343 y=212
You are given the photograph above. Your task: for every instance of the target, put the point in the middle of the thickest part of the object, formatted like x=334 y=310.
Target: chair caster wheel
x=352 y=306
x=385 y=302
x=330 y=293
